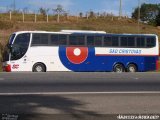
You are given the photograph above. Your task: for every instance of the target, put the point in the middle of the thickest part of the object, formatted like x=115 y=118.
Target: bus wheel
x=119 y=68
x=132 y=68
x=39 y=67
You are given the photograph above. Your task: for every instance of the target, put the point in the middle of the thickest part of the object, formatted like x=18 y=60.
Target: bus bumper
x=6 y=67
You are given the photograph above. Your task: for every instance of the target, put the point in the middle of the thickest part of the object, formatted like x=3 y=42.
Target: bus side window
x=140 y=42
x=77 y=40
x=39 y=39
x=72 y=40
x=54 y=40
x=44 y=39
x=90 y=40
x=107 y=41
x=98 y=41
x=131 y=41
x=124 y=41
x=150 y=42
x=36 y=39
x=115 y=41
x=62 y=39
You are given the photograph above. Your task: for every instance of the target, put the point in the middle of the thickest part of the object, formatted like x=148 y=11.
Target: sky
x=76 y=6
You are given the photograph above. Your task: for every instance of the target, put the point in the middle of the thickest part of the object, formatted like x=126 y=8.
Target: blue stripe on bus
x=106 y=63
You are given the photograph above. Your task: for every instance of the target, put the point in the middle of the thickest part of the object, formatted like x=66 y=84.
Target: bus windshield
x=20 y=46
x=7 y=48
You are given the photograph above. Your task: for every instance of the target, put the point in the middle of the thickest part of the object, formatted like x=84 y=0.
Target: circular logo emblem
x=77 y=55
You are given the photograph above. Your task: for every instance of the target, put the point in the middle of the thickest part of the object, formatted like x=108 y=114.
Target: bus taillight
x=7 y=68
x=157 y=65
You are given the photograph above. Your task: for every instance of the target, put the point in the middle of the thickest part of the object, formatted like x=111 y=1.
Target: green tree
x=59 y=10
x=148 y=13
x=80 y=14
x=91 y=14
x=158 y=19
x=43 y=11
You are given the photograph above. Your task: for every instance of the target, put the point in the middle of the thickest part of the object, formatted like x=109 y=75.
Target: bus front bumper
x=6 y=67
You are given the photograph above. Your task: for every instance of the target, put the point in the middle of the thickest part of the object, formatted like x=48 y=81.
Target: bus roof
x=83 y=32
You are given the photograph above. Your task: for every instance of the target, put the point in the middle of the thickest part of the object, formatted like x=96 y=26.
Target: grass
x=108 y=24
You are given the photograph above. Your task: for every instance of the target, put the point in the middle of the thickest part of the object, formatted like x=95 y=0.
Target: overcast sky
x=76 y=6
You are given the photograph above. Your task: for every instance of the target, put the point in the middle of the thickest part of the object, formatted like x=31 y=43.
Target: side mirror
x=9 y=47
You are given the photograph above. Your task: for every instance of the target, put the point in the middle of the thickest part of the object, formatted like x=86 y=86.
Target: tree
x=91 y=14
x=148 y=13
x=59 y=10
x=80 y=14
x=158 y=19
x=42 y=11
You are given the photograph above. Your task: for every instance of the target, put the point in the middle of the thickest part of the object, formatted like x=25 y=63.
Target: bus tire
x=118 y=68
x=39 y=67
x=132 y=68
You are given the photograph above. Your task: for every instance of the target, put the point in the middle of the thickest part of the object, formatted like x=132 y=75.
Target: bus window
x=44 y=39
x=36 y=39
x=124 y=41
x=115 y=41
x=98 y=40
x=90 y=40
x=150 y=42
x=76 y=40
x=72 y=40
x=107 y=41
x=39 y=39
x=131 y=41
x=127 y=41
x=20 y=46
x=81 y=40
x=62 y=39
x=140 y=42
x=54 y=40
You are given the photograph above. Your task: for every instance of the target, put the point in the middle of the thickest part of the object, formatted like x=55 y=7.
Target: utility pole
x=120 y=9
x=23 y=16
x=14 y=5
x=139 y=15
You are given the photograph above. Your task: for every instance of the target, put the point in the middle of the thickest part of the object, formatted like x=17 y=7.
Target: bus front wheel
x=132 y=68
x=39 y=67
x=119 y=68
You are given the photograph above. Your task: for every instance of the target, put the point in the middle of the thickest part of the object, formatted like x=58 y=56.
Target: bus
x=80 y=51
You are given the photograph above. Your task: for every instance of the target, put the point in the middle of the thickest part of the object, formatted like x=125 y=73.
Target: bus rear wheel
x=132 y=68
x=39 y=67
x=118 y=68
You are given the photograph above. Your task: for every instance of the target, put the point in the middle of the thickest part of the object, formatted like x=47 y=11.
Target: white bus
x=75 y=50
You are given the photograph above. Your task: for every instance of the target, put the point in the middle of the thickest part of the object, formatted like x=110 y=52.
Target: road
x=78 y=95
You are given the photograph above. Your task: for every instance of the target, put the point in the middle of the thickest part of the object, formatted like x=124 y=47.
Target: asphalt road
x=78 y=82
x=69 y=95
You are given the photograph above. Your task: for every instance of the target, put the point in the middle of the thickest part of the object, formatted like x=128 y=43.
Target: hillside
x=108 y=24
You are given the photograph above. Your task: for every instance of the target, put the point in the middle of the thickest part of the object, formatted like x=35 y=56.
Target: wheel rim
x=132 y=69
x=119 y=69
x=39 y=68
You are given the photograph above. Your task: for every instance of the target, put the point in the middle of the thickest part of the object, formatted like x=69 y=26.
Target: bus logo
x=77 y=55
x=15 y=66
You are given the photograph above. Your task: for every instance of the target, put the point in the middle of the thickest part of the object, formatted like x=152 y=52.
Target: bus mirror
x=9 y=47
